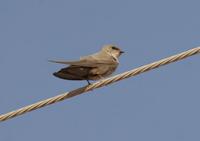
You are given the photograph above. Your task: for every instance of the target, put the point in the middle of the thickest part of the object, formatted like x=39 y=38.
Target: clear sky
x=160 y=105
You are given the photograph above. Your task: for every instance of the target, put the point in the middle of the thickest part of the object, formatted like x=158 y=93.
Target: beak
x=121 y=52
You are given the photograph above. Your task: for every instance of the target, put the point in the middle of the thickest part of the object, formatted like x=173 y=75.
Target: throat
x=115 y=59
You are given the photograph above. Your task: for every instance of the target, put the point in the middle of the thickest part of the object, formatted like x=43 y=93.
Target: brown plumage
x=92 y=67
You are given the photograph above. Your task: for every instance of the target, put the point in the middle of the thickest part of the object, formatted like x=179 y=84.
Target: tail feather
x=66 y=76
x=73 y=73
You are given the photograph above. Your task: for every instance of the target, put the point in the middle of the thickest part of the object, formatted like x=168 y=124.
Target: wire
x=99 y=84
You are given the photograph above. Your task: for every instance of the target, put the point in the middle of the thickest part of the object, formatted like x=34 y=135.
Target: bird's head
x=112 y=50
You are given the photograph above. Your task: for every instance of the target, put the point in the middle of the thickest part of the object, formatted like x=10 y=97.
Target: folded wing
x=86 y=62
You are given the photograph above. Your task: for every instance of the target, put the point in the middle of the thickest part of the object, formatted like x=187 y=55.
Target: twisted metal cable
x=99 y=84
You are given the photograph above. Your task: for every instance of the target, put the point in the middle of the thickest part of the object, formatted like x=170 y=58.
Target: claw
x=88 y=82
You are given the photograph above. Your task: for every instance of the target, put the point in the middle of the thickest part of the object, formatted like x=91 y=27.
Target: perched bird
x=92 y=67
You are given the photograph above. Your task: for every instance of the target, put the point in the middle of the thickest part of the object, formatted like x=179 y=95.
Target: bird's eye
x=115 y=48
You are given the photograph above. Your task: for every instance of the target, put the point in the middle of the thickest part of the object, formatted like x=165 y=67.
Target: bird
x=92 y=67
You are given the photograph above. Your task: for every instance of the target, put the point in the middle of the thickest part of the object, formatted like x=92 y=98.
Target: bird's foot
x=88 y=82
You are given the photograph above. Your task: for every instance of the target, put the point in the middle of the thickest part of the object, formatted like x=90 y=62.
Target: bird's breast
x=103 y=71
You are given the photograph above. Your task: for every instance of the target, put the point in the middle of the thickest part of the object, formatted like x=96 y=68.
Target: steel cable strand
x=99 y=84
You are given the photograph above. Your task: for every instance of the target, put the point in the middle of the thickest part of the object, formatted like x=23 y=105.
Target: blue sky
x=162 y=104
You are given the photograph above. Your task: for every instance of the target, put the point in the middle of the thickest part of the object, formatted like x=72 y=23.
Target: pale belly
x=103 y=71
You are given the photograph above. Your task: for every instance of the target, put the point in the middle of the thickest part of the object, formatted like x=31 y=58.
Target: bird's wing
x=65 y=62
x=86 y=62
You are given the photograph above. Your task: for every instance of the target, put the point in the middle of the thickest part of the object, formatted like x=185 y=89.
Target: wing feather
x=86 y=62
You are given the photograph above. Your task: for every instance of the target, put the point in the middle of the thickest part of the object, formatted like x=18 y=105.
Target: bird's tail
x=66 y=76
